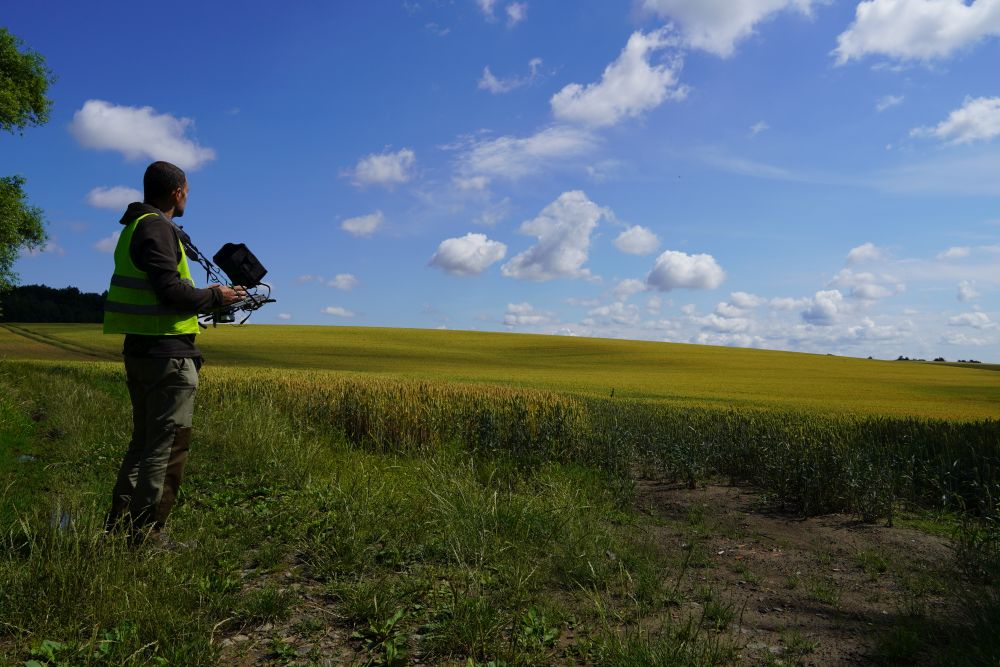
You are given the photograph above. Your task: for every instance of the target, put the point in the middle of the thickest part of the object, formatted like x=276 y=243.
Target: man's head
x=165 y=187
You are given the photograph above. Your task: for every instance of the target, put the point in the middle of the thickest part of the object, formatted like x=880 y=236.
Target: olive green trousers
x=162 y=393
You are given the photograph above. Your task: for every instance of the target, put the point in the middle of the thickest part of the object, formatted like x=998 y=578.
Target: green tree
x=24 y=82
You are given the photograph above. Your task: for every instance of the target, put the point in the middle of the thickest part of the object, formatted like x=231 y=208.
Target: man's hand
x=231 y=294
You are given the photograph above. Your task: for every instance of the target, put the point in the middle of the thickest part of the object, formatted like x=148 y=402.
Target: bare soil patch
x=815 y=591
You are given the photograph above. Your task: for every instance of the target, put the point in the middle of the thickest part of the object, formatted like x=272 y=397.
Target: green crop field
x=381 y=496
x=662 y=372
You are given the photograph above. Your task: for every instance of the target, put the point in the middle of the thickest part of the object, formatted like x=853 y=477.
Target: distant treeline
x=40 y=303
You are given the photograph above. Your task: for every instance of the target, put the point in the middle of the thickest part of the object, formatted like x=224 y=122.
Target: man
x=153 y=301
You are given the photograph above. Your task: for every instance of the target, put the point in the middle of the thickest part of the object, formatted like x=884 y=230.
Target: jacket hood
x=137 y=208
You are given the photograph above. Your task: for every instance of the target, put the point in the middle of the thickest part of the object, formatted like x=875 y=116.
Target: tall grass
x=475 y=517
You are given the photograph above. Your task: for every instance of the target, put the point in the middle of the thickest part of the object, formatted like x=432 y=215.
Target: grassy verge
x=448 y=522
x=448 y=553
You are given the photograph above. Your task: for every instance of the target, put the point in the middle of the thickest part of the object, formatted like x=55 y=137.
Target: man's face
x=180 y=197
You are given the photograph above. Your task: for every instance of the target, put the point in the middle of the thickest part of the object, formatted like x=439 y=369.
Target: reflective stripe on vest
x=132 y=306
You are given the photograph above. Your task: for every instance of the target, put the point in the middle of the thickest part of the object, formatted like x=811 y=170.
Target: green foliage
x=24 y=82
x=21 y=225
x=40 y=303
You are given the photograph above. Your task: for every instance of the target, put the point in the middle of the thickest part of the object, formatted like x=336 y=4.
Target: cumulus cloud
x=117 y=197
x=517 y=157
x=363 y=225
x=343 y=281
x=887 y=102
x=867 y=286
x=745 y=300
x=675 y=270
x=138 y=133
x=499 y=86
x=955 y=252
x=967 y=291
x=787 y=303
x=337 y=311
x=824 y=308
x=917 y=29
x=719 y=324
x=717 y=25
x=284 y=316
x=386 y=168
x=758 y=127
x=977 y=120
x=629 y=86
x=563 y=229
x=637 y=240
x=108 y=243
x=866 y=252
x=524 y=314
x=976 y=320
x=468 y=255
x=628 y=288
x=617 y=312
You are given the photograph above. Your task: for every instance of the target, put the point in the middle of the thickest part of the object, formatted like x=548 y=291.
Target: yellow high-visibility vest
x=132 y=306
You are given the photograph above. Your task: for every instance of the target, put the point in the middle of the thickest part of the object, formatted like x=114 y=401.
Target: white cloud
x=628 y=87
x=516 y=12
x=787 y=303
x=138 y=133
x=487 y=8
x=867 y=286
x=338 y=311
x=306 y=279
x=717 y=25
x=955 y=338
x=108 y=244
x=117 y=197
x=917 y=29
x=50 y=248
x=977 y=120
x=718 y=324
x=637 y=240
x=967 y=291
x=674 y=270
x=494 y=213
x=499 y=86
x=284 y=316
x=758 y=127
x=824 y=308
x=866 y=252
x=343 y=281
x=627 y=288
x=689 y=309
x=563 y=229
x=745 y=300
x=385 y=168
x=617 y=312
x=887 y=102
x=468 y=255
x=726 y=309
x=363 y=225
x=524 y=314
x=976 y=320
x=956 y=252
x=517 y=157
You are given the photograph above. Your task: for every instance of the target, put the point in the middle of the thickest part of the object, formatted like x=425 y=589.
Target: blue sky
x=785 y=174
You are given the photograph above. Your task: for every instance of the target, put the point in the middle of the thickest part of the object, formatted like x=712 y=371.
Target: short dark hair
x=160 y=179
